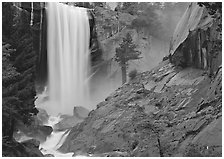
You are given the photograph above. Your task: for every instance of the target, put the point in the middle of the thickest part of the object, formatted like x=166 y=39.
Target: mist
x=168 y=16
x=107 y=78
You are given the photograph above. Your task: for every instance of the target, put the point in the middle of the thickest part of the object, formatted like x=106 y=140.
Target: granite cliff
x=175 y=109
x=167 y=111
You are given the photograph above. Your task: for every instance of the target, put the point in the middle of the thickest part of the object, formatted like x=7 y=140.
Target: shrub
x=132 y=74
x=165 y=58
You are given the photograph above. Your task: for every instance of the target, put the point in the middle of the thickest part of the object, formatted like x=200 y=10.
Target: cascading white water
x=68 y=36
x=68 y=58
x=55 y=140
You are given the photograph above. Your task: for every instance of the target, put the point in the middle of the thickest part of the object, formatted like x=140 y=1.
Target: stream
x=55 y=140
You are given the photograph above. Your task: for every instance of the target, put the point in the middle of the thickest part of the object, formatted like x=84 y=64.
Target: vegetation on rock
x=132 y=74
x=154 y=18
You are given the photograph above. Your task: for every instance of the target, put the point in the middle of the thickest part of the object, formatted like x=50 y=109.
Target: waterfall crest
x=68 y=58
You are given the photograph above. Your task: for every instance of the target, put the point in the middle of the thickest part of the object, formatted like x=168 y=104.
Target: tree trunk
x=160 y=148
x=123 y=70
x=11 y=129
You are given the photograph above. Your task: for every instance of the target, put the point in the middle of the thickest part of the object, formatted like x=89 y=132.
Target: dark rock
x=42 y=116
x=31 y=143
x=38 y=132
x=32 y=147
x=47 y=130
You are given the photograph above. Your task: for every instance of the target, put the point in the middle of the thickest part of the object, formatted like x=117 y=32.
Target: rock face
x=162 y=112
x=42 y=116
x=193 y=38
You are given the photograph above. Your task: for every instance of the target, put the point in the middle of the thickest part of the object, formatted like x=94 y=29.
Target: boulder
x=46 y=130
x=42 y=116
x=80 y=112
x=67 y=122
x=34 y=130
x=39 y=133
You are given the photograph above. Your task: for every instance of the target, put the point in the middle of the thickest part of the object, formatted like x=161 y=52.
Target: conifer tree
x=126 y=52
x=18 y=71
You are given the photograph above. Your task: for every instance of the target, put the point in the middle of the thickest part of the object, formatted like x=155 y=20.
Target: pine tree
x=126 y=52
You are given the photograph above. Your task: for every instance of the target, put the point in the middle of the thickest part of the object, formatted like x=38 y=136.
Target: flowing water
x=55 y=140
x=68 y=68
x=68 y=58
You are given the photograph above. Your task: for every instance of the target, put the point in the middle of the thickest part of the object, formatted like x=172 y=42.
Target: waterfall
x=68 y=58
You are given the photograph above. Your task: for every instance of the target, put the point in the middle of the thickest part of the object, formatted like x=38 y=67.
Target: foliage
x=126 y=52
x=129 y=7
x=18 y=70
x=9 y=73
x=18 y=94
x=213 y=7
x=83 y=4
x=132 y=74
x=7 y=20
x=146 y=17
x=215 y=10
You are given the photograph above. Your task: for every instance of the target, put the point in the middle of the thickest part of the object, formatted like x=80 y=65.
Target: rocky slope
x=167 y=111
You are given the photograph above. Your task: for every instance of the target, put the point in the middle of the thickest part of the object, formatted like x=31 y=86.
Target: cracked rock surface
x=167 y=111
